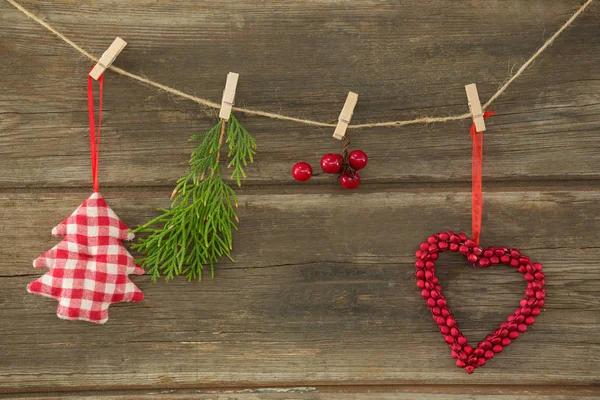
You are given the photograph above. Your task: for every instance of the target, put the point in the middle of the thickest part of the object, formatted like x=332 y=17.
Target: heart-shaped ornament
x=466 y=356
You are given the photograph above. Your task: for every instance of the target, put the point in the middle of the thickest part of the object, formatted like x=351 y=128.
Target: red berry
x=358 y=159
x=302 y=171
x=350 y=181
x=332 y=163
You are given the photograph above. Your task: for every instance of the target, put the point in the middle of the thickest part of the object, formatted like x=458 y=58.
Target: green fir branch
x=197 y=230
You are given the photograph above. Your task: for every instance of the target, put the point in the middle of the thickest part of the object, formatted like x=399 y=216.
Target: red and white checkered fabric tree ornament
x=89 y=269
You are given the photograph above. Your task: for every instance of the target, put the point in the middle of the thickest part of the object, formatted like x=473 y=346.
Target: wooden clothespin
x=345 y=116
x=108 y=58
x=475 y=107
x=228 y=95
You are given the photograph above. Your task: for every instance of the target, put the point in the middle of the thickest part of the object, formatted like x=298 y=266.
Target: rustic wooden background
x=321 y=303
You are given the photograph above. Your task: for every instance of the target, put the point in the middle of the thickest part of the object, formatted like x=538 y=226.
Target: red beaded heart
x=466 y=356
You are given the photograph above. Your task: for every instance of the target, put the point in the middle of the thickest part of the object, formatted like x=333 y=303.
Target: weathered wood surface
x=322 y=292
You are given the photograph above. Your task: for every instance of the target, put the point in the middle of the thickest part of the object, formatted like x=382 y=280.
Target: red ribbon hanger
x=476 y=172
x=94 y=135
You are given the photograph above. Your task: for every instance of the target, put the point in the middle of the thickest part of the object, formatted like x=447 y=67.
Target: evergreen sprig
x=197 y=230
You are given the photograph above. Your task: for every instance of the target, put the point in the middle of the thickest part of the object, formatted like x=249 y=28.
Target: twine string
x=208 y=103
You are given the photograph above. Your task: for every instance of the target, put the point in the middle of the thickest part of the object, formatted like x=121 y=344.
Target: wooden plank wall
x=322 y=296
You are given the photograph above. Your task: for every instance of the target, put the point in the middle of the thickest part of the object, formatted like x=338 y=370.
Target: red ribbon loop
x=94 y=135
x=476 y=172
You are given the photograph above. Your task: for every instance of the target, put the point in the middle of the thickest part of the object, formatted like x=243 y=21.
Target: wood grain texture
x=322 y=294
x=405 y=60
x=346 y=311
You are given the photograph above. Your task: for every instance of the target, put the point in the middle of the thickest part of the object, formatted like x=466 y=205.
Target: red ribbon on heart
x=476 y=172
x=94 y=136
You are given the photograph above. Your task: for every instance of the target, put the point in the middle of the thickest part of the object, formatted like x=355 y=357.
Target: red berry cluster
x=466 y=356
x=345 y=167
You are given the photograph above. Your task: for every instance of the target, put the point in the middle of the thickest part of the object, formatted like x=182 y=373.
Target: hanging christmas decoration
x=89 y=268
x=467 y=356
x=197 y=230
x=345 y=165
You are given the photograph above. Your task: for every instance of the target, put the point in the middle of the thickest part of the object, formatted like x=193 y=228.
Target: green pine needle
x=197 y=230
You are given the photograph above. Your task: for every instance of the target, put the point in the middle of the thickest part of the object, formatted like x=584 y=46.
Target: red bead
x=524 y=260
x=529 y=321
x=505 y=341
x=478 y=251
x=436 y=311
x=496 y=340
x=480 y=362
x=443 y=236
x=462 y=237
x=454 y=247
x=454 y=354
x=519 y=319
x=350 y=181
x=529 y=278
x=358 y=159
x=456 y=347
x=540 y=295
x=497 y=348
x=462 y=355
x=488 y=253
x=435 y=256
x=430 y=302
x=472 y=258
x=484 y=262
x=469 y=369
x=522 y=269
x=420 y=274
x=440 y=320
x=302 y=171
x=505 y=259
x=445 y=312
x=514 y=263
x=498 y=252
x=432 y=239
x=513 y=335
x=470 y=243
x=468 y=349
x=537 y=266
x=454 y=332
x=443 y=245
x=472 y=360
x=419 y=264
x=444 y=329
x=332 y=163
x=460 y=364
x=424 y=246
x=463 y=249
x=541 y=303
x=486 y=345
x=418 y=253
x=522 y=303
x=522 y=328
x=515 y=253
x=462 y=340
x=530 y=293
x=449 y=339
x=420 y=284
x=479 y=352
x=433 y=248
x=494 y=260
x=535 y=312
x=526 y=311
x=489 y=354
x=539 y=276
x=454 y=239
x=450 y=322
x=441 y=303
x=425 y=293
x=503 y=333
x=429 y=265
